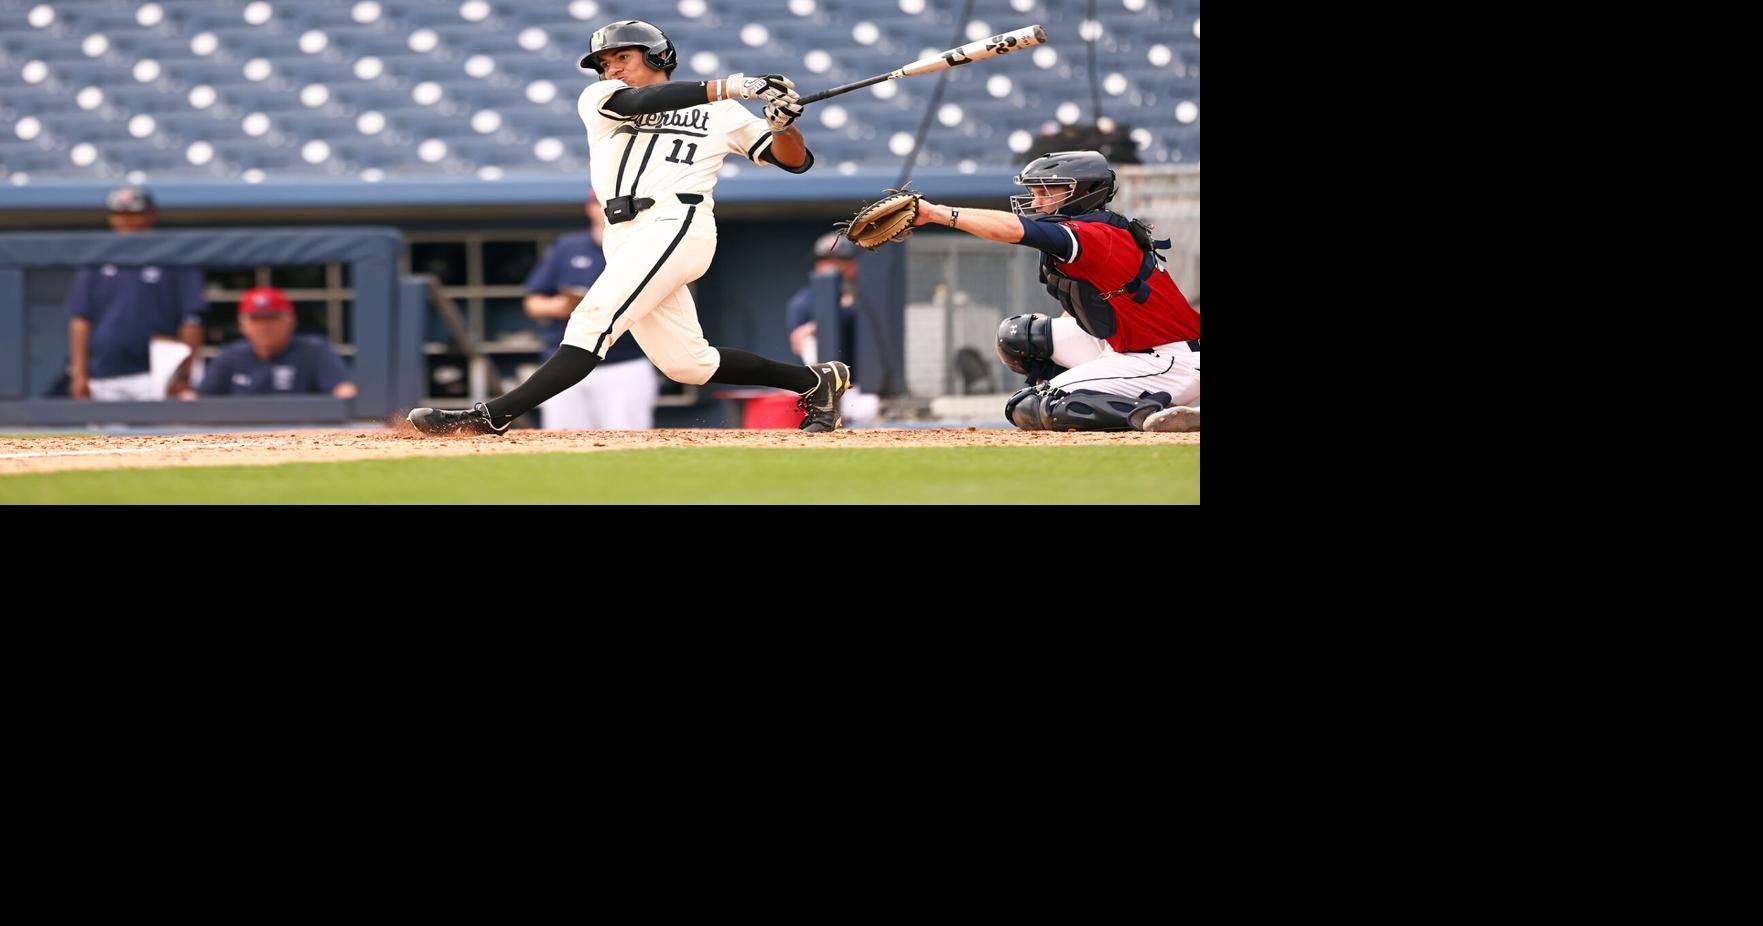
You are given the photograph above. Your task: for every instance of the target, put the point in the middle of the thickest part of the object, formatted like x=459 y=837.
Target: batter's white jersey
x=672 y=158
x=664 y=153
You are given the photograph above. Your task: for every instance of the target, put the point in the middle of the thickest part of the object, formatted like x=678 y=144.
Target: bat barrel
x=845 y=88
x=1000 y=44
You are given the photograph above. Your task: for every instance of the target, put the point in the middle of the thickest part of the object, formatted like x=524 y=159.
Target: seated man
x=273 y=360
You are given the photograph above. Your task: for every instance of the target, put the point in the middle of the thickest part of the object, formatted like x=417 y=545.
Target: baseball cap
x=129 y=199
x=264 y=300
x=834 y=244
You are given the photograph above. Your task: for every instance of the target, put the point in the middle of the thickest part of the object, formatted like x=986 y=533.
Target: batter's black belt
x=624 y=208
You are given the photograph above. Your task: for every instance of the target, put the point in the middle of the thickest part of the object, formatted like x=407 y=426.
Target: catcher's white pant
x=615 y=397
x=1091 y=364
x=649 y=261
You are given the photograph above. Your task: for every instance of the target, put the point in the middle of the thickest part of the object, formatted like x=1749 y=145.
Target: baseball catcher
x=1125 y=354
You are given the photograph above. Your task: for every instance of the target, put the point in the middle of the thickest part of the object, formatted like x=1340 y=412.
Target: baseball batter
x=654 y=148
x=1126 y=353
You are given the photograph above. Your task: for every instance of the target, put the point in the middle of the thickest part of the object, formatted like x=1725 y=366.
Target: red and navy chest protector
x=1104 y=270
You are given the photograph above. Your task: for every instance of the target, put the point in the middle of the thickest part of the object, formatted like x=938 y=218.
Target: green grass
x=1161 y=474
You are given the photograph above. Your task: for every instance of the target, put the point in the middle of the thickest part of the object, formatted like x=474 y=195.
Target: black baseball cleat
x=474 y=420
x=822 y=402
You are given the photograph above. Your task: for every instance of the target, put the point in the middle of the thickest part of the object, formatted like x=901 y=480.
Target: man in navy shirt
x=621 y=393
x=273 y=360
x=118 y=311
x=833 y=253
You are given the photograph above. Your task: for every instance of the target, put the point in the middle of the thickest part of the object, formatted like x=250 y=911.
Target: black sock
x=740 y=368
x=565 y=368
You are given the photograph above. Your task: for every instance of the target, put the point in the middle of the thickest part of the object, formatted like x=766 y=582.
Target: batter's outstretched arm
x=666 y=96
x=659 y=98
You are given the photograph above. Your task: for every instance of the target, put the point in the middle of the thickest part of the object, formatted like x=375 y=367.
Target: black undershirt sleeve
x=656 y=98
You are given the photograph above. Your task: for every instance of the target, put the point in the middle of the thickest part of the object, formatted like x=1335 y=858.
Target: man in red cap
x=272 y=359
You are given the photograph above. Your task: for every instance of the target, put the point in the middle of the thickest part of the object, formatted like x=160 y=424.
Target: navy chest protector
x=1082 y=299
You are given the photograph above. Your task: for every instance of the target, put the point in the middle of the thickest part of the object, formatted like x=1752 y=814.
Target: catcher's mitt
x=887 y=219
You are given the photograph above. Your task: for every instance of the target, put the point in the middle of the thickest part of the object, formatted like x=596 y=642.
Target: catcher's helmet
x=1086 y=172
x=658 y=51
x=129 y=199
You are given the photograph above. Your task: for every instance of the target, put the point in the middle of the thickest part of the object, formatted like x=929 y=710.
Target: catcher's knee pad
x=1025 y=344
x=1028 y=401
x=1079 y=410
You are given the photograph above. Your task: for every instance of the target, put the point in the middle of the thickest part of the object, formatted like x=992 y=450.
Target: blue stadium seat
x=30 y=157
x=194 y=16
x=1148 y=102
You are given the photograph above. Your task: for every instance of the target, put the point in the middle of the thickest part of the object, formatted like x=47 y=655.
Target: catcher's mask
x=658 y=51
x=1088 y=180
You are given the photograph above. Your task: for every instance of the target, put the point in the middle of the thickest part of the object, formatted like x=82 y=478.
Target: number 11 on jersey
x=691 y=151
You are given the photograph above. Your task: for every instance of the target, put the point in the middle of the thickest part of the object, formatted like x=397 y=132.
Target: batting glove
x=767 y=87
x=783 y=113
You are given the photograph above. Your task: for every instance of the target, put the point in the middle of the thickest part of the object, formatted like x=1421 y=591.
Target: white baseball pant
x=1091 y=364
x=649 y=261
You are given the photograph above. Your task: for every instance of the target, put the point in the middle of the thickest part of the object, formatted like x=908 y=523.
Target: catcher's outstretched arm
x=1003 y=227
x=989 y=224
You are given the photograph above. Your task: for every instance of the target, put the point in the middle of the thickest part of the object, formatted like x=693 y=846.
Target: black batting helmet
x=658 y=51
x=1086 y=172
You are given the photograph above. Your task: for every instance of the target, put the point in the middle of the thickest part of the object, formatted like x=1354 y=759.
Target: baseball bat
x=1003 y=44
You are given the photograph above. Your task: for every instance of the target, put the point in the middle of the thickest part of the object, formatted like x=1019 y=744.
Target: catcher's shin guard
x=1047 y=409
x=1025 y=344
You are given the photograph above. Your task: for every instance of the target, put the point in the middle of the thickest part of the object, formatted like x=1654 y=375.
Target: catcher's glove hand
x=887 y=219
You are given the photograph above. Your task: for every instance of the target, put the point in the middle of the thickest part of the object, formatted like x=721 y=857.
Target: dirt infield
x=70 y=452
